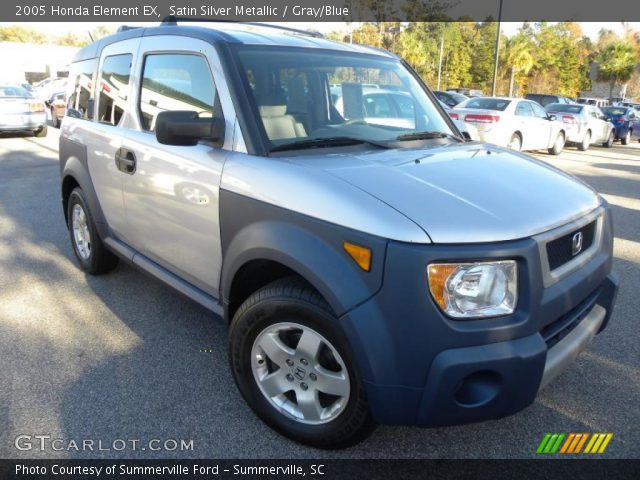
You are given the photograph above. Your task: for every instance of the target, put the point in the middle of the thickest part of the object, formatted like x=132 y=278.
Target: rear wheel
x=515 y=143
x=92 y=256
x=627 y=138
x=586 y=142
x=558 y=145
x=41 y=132
x=610 y=140
x=294 y=368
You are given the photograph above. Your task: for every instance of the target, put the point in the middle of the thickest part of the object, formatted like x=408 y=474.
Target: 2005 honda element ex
x=373 y=265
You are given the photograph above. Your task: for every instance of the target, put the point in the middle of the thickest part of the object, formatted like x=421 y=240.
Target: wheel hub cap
x=300 y=373
x=81 y=235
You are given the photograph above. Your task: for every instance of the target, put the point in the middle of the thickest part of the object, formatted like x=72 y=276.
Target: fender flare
x=319 y=259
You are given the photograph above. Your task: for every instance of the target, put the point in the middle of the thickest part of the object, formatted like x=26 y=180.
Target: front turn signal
x=361 y=255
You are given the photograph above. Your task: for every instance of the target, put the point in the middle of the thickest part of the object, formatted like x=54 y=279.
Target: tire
x=91 y=253
x=610 y=138
x=41 y=132
x=627 y=138
x=515 y=143
x=586 y=142
x=289 y=310
x=558 y=145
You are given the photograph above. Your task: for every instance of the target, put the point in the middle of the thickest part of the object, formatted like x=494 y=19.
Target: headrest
x=273 y=110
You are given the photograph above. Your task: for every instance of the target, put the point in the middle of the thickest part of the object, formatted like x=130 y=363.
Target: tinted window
x=543 y=100
x=523 y=109
x=614 y=111
x=176 y=82
x=10 y=91
x=558 y=107
x=114 y=88
x=405 y=106
x=538 y=111
x=486 y=104
x=81 y=82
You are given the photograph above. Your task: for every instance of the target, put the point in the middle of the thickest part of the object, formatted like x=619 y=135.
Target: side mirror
x=186 y=128
x=552 y=117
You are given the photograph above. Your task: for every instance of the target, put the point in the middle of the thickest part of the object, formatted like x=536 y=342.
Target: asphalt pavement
x=121 y=357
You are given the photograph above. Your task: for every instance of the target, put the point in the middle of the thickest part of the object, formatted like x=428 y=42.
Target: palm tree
x=519 y=57
x=616 y=64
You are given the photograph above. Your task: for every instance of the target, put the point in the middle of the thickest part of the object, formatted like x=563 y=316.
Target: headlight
x=474 y=290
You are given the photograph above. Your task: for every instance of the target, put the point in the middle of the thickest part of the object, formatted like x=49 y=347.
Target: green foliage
x=616 y=63
x=541 y=57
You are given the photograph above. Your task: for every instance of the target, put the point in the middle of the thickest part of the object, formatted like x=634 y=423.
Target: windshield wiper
x=427 y=136
x=326 y=142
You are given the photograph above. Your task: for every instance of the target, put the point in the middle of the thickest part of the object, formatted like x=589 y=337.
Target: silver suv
x=370 y=271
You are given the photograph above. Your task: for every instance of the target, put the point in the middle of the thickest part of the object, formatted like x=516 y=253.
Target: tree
x=616 y=64
x=519 y=57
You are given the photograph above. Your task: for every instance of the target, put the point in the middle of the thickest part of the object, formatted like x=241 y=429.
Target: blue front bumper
x=422 y=368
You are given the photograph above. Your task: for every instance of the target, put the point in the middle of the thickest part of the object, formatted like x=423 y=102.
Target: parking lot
x=123 y=357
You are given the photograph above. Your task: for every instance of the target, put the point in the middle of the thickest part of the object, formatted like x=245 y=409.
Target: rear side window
x=81 y=82
x=523 y=109
x=114 y=88
x=176 y=82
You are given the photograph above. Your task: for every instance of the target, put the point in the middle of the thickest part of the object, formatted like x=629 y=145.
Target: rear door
x=171 y=194
x=526 y=123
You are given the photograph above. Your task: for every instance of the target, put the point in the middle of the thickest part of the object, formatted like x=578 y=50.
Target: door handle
x=126 y=161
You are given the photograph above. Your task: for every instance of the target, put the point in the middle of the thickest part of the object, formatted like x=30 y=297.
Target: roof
x=217 y=33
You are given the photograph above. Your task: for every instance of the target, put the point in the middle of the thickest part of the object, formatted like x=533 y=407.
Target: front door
x=171 y=192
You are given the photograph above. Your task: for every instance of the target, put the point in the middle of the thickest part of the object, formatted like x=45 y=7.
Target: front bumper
x=422 y=368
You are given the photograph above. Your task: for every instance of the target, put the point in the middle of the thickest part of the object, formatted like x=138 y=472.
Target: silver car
x=585 y=124
x=513 y=122
x=19 y=111
x=369 y=272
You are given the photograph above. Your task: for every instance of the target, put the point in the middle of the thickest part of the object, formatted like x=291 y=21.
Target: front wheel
x=293 y=367
x=610 y=139
x=41 y=132
x=558 y=145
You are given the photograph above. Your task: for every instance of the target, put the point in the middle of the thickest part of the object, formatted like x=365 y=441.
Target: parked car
x=45 y=89
x=468 y=130
x=19 y=111
x=626 y=121
x=469 y=92
x=545 y=99
x=596 y=102
x=451 y=99
x=513 y=122
x=57 y=105
x=369 y=273
x=585 y=125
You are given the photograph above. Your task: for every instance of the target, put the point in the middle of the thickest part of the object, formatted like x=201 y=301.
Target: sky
x=590 y=29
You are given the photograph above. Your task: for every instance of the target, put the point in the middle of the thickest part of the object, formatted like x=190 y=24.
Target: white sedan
x=513 y=122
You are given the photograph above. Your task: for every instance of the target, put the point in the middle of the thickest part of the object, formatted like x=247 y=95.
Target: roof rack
x=126 y=28
x=172 y=20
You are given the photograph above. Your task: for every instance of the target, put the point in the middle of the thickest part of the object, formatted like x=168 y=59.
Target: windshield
x=485 y=103
x=563 y=107
x=303 y=95
x=13 y=91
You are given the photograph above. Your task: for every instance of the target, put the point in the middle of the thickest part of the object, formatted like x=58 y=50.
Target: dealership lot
x=121 y=357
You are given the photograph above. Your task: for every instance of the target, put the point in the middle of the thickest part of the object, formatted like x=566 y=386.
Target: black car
x=451 y=99
x=545 y=99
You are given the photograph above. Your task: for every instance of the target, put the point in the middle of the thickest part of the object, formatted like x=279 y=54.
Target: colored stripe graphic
x=573 y=443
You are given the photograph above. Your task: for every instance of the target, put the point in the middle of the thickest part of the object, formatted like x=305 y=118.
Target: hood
x=465 y=193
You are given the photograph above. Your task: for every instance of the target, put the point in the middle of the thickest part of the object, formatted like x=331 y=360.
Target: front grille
x=560 y=328
x=560 y=250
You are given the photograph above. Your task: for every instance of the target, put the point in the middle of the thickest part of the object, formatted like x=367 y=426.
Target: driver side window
x=173 y=82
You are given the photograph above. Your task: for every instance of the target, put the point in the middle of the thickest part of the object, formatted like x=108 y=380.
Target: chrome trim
x=567 y=349
x=550 y=277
